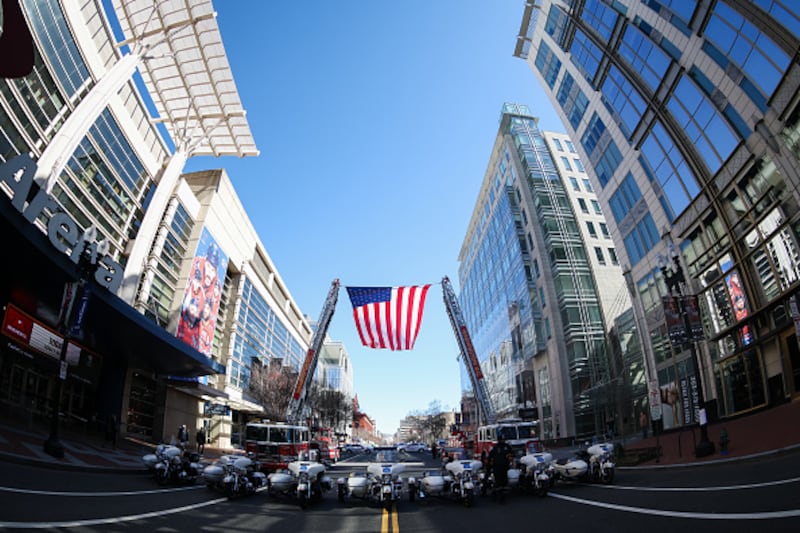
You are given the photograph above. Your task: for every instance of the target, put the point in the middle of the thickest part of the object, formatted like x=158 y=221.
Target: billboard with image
x=200 y=304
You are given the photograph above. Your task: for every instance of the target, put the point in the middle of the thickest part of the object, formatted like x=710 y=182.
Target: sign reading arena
x=64 y=233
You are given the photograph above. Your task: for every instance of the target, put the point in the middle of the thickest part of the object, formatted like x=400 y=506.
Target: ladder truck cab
x=521 y=435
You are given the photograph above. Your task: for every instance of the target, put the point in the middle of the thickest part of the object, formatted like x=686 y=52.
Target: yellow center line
x=395 y=524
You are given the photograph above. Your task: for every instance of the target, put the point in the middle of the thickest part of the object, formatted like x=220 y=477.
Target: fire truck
x=521 y=435
x=278 y=443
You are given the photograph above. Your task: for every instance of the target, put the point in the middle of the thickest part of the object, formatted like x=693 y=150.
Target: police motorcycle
x=535 y=472
x=573 y=468
x=242 y=476
x=310 y=481
x=381 y=483
x=213 y=474
x=601 y=462
x=458 y=480
x=170 y=464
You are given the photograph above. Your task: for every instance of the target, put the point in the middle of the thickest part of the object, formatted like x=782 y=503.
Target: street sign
x=654 y=397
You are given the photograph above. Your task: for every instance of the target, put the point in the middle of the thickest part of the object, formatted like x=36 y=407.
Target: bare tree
x=430 y=423
x=329 y=407
x=272 y=386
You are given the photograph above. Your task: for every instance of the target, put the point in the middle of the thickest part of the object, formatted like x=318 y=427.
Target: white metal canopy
x=186 y=71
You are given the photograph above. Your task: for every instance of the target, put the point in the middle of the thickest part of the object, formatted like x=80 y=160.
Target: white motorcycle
x=535 y=472
x=242 y=476
x=170 y=464
x=601 y=463
x=311 y=482
x=574 y=468
x=488 y=485
x=458 y=481
x=214 y=474
x=382 y=482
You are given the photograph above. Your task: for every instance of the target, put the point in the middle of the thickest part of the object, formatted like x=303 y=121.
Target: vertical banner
x=692 y=306
x=200 y=307
x=676 y=329
x=689 y=399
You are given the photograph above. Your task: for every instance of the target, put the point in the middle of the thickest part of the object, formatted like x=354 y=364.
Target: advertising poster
x=200 y=305
x=738 y=303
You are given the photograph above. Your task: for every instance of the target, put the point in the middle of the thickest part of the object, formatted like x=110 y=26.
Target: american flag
x=388 y=317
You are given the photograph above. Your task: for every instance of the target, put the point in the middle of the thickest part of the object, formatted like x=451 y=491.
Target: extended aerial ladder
x=468 y=353
x=297 y=403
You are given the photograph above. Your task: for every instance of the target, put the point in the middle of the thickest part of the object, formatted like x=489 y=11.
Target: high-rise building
x=186 y=297
x=687 y=118
x=540 y=282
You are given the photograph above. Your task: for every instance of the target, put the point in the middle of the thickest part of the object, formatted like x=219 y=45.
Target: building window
x=570 y=146
x=644 y=57
x=582 y=203
x=578 y=165
x=613 y=255
x=587 y=185
x=604 y=230
x=709 y=132
x=585 y=55
x=558 y=144
x=600 y=257
x=596 y=207
x=592 y=231
x=740 y=41
x=662 y=160
x=565 y=162
x=574 y=182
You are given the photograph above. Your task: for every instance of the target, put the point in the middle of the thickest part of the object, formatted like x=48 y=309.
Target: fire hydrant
x=723 y=442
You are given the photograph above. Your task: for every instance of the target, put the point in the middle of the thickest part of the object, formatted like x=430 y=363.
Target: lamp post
x=76 y=298
x=676 y=284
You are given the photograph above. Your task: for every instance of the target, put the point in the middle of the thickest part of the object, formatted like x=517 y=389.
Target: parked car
x=412 y=447
x=354 y=448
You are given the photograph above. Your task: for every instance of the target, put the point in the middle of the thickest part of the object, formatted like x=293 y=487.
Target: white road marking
x=791 y=513
x=95 y=494
x=106 y=521
x=704 y=489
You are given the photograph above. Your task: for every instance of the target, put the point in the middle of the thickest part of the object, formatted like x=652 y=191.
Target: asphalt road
x=755 y=495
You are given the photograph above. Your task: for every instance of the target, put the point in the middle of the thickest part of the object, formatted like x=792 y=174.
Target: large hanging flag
x=388 y=317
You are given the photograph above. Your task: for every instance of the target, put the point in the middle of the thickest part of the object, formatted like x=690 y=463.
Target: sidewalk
x=771 y=430
x=82 y=450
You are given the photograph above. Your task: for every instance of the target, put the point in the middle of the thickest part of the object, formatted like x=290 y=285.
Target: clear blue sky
x=375 y=122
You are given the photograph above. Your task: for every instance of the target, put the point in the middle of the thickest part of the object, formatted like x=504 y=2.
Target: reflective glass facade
x=525 y=275
x=697 y=102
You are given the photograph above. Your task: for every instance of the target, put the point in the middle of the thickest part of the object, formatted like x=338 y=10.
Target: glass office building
x=531 y=265
x=687 y=116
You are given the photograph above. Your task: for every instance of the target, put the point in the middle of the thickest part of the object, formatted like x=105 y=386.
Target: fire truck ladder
x=297 y=403
x=468 y=352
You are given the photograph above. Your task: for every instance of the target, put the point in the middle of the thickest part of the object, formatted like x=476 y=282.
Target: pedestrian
x=201 y=439
x=643 y=423
x=433 y=450
x=183 y=436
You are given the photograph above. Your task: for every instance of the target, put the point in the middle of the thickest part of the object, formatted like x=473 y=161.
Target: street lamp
x=74 y=303
x=676 y=284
